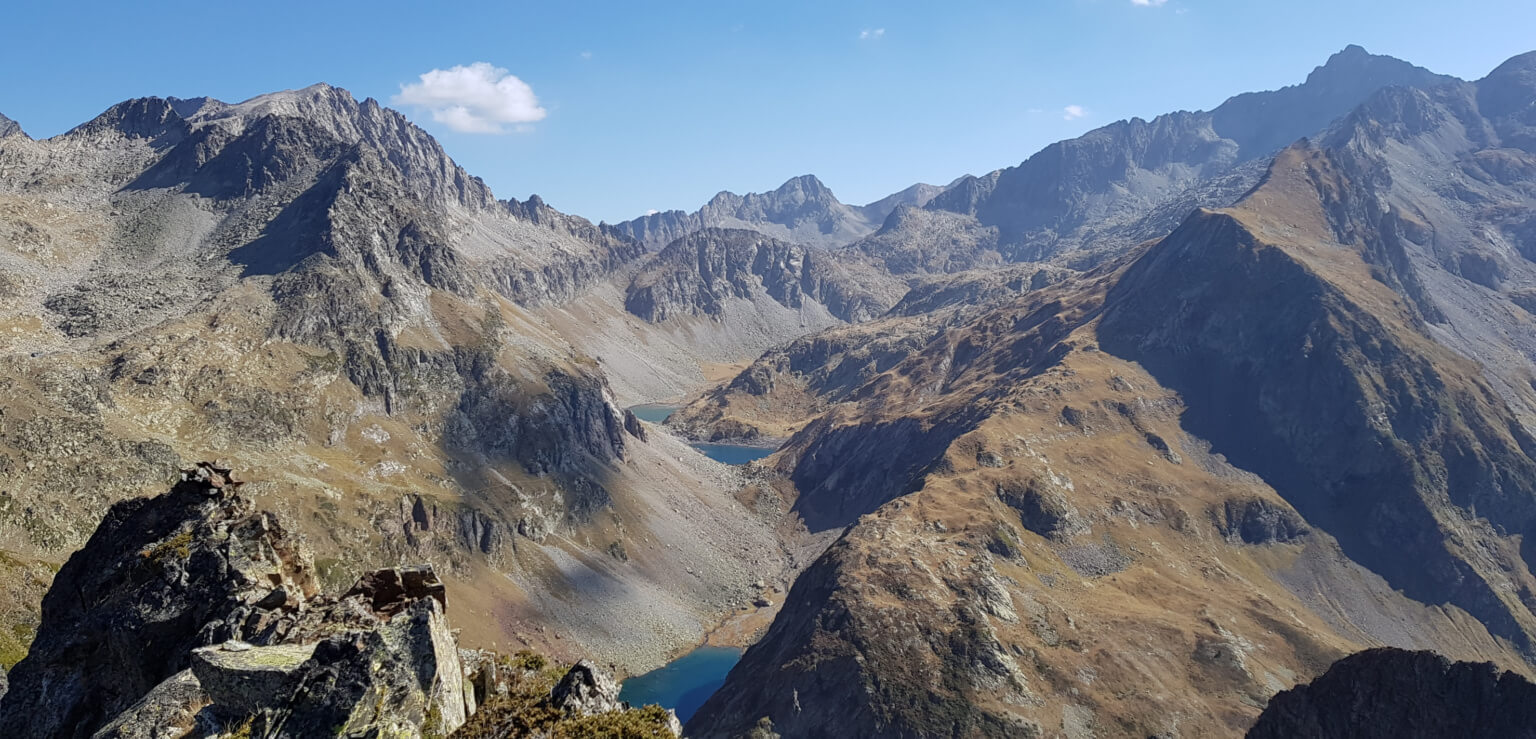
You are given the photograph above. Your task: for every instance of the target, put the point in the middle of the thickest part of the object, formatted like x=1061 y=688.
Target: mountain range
x=1136 y=437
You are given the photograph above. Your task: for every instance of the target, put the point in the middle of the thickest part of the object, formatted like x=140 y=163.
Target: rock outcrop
x=159 y=577
x=192 y=613
x=1381 y=693
x=9 y=127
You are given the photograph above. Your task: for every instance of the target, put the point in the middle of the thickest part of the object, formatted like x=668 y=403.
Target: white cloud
x=870 y=33
x=478 y=98
x=1073 y=112
x=1148 y=3
x=586 y=55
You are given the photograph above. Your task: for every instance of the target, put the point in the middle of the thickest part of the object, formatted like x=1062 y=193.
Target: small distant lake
x=734 y=453
x=684 y=683
x=653 y=412
x=724 y=453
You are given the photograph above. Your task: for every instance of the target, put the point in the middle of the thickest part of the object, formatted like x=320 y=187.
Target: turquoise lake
x=726 y=453
x=684 y=683
x=734 y=453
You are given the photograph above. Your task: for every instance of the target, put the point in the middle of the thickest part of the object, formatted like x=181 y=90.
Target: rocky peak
x=915 y=196
x=802 y=210
x=425 y=168
x=189 y=107
x=9 y=127
x=142 y=118
x=1510 y=89
x=1130 y=181
x=965 y=194
x=1262 y=122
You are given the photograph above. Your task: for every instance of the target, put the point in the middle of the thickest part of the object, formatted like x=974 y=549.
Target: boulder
x=242 y=679
x=586 y=690
x=389 y=591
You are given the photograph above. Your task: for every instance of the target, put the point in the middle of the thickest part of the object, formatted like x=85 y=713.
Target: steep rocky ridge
x=1024 y=512
x=310 y=283
x=1280 y=394
x=801 y=211
x=1372 y=430
x=717 y=297
x=1393 y=693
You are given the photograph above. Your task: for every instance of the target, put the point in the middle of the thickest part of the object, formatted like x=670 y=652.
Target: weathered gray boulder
x=242 y=679
x=586 y=691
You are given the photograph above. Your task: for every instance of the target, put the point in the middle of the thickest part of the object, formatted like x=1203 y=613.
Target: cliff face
x=1394 y=693
x=699 y=273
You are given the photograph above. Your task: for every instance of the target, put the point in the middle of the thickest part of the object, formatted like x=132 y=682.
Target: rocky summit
x=1220 y=423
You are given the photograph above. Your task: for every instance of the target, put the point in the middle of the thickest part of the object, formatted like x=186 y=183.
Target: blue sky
x=660 y=105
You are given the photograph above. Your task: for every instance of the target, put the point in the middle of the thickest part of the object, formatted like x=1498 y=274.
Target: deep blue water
x=653 y=412
x=727 y=453
x=734 y=453
x=684 y=683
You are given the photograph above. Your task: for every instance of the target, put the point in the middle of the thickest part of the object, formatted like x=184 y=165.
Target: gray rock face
x=698 y=273
x=402 y=675
x=1043 y=508
x=801 y=211
x=1257 y=521
x=1402 y=694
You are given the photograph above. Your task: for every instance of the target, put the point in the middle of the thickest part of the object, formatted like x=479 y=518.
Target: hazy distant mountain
x=801 y=211
x=1134 y=179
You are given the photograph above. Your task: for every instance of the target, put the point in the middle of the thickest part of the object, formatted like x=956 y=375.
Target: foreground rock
x=1402 y=694
x=191 y=615
x=159 y=577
